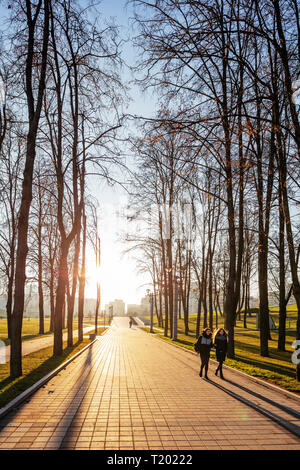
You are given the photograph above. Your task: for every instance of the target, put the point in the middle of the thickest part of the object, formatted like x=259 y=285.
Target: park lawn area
x=277 y=368
x=251 y=320
x=30 y=328
x=35 y=366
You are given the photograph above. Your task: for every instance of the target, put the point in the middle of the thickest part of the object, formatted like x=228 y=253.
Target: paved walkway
x=131 y=390
x=31 y=345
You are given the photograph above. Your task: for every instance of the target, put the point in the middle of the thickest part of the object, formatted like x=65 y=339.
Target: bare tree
x=35 y=13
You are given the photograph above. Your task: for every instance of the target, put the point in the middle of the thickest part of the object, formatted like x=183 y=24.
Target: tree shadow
x=290 y=426
x=276 y=368
x=83 y=382
x=183 y=341
x=66 y=421
x=285 y=408
x=20 y=385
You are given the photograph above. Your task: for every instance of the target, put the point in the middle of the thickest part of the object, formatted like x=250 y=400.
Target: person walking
x=203 y=346
x=220 y=343
x=130 y=323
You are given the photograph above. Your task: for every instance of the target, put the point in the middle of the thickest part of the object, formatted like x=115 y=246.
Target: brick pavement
x=133 y=391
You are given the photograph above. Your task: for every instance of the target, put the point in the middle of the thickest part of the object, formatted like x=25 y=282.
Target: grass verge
x=30 y=328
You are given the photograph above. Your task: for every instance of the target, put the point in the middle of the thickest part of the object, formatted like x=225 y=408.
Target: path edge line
x=33 y=388
x=254 y=379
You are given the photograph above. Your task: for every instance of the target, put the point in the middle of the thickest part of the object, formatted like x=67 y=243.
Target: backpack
x=197 y=346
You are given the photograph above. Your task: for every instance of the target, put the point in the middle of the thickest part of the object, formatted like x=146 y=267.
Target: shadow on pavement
x=294 y=413
x=83 y=382
x=36 y=374
x=64 y=424
x=291 y=427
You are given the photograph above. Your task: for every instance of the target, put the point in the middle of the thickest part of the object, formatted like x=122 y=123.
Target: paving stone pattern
x=131 y=390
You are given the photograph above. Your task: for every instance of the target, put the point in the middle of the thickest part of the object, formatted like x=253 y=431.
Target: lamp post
x=150 y=294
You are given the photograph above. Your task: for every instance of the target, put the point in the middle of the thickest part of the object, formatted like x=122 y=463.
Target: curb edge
x=31 y=390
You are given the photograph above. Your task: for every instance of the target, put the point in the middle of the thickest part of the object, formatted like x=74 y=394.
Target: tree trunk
x=71 y=299
x=60 y=299
x=82 y=285
x=263 y=302
x=210 y=287
x=97 y=307
x=22 y=237
x=282 y=302
x=170 y=282
x=9 y=300
x=52 y=299
x=40 y=279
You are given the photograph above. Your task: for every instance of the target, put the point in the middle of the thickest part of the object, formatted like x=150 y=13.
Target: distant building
x=145 y=305
x=193 y=298
x=88 y=309
x=273 y=298
x=118 y=308
x=253 y=302
x=133 y=310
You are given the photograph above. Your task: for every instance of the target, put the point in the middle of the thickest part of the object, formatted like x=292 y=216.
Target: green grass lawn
x=35 y=366
x=30 y=328
x=277 y=368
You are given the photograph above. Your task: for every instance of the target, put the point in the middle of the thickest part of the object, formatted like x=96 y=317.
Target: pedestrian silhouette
x=130 y=323
x=203 y=346
x=220 y=343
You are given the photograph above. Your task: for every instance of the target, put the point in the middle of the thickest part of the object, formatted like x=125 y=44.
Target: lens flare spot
x=242 y=415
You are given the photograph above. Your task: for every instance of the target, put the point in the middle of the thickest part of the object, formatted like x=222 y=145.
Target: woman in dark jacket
x=203 y=346
x=220 y=343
